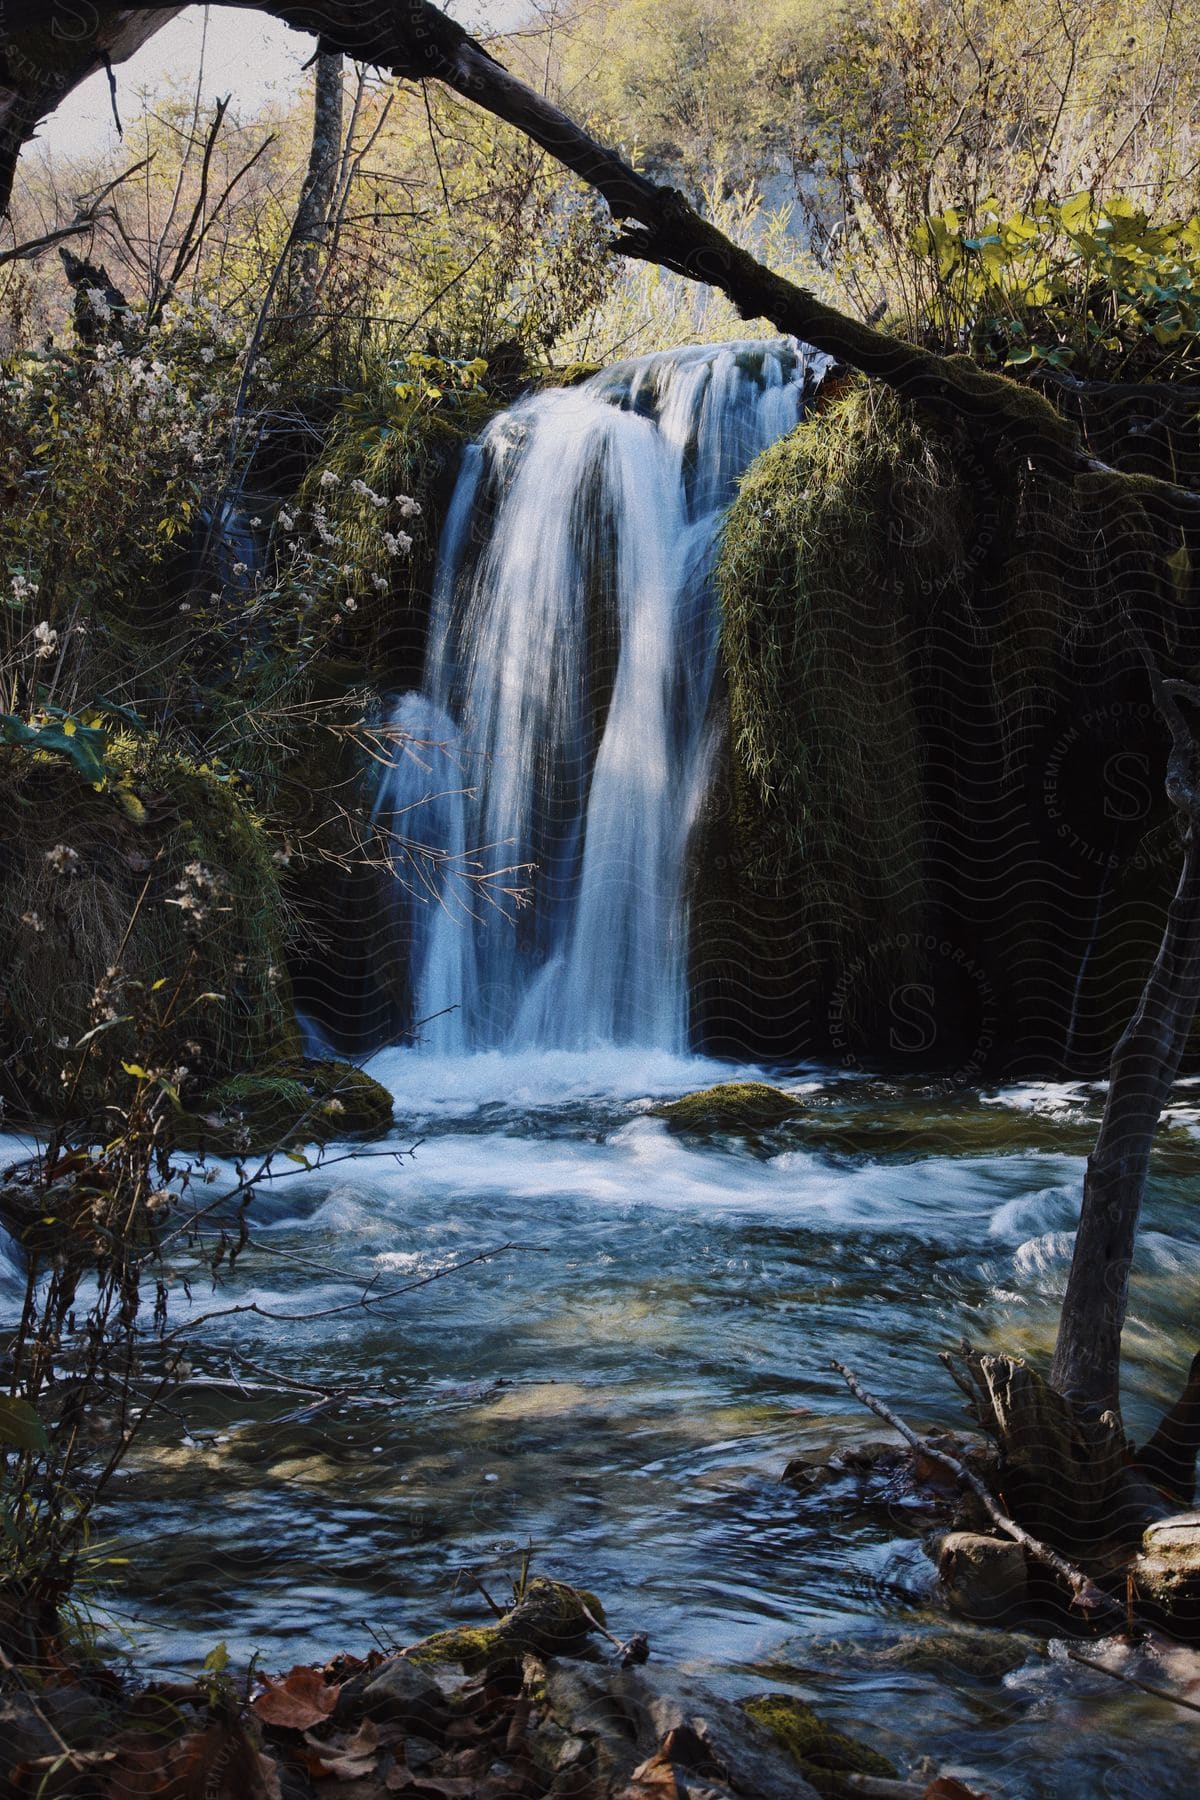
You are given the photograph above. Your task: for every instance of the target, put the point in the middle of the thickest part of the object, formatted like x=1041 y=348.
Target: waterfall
x=564 y=731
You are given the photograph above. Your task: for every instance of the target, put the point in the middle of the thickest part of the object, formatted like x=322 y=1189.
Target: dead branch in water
x=1087 y=1596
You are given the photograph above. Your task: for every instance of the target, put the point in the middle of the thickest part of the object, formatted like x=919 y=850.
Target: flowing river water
x=621 y=1393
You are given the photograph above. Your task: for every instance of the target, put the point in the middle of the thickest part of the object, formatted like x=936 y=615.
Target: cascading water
x=565 y=716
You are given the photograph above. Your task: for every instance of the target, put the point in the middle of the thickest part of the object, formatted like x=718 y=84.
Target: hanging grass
x=823 y=554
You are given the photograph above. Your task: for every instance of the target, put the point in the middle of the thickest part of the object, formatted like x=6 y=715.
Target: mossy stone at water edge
x=730 y=1106
x=825 y=1756
x=296 y=1101
x=551 y=1619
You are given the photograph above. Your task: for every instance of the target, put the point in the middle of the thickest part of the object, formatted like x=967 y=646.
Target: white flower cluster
x=98 y=301
x=199 y=891
x=45 y=640
x=332 y=544
x=358 y=486
x=63 y=860
x=22 y=589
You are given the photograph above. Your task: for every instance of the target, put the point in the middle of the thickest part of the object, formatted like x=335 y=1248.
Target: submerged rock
x=824 y=1756
x=734 y=1106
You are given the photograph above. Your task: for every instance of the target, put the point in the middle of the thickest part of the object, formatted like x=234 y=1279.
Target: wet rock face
x=1167 y=1572
x=624 y=1727
x=983 y=1577
x=403 y=1695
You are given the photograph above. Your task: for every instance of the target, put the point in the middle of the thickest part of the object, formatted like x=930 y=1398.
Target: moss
x=733 y=1106
x=825 y=1756
x=898 y=639
x=108 y=937
x=550 y=1619
x=294 y=1101
x=471 y=1647
x=826 y=769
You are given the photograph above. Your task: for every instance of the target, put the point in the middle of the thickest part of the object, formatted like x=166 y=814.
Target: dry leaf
x=946 y=1787
x=218 y=1763
x=297 y=1702
x=655 y=1779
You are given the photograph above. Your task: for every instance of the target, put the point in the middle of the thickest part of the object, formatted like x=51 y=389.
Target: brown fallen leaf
x=320 y=1766
x=946 y=1787
x=218 y=1763
x=298 y=1701
x=654 y=1779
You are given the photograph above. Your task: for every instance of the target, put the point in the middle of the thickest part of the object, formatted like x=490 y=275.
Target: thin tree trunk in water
x=1144 y=1065
x=311 y=227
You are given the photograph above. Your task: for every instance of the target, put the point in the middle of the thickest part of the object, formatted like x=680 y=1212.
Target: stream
x=619 y=1395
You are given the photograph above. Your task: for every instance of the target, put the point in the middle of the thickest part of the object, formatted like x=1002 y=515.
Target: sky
x=251 y=57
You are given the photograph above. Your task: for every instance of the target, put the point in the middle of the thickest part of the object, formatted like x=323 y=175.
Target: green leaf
x=217 y=1660
x=82 y=745
x=20 y=1426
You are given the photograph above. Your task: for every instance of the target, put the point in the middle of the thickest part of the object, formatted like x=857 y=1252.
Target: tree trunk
x=311 y=227
x=1144 y=1066
x=47 y=49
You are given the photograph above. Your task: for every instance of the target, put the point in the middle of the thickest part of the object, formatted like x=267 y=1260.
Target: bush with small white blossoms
x=108 y=455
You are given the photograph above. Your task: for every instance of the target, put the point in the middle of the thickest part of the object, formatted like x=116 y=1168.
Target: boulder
x=825 y=1757
x=294 y=1101
x=731 y=1106
x=1167 y=1571
x=635 y=1731
x=983 y=1577
x=400 y=1693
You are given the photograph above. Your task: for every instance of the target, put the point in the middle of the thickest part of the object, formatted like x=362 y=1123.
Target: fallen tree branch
x=1087 y=1596
x=1146 y=1687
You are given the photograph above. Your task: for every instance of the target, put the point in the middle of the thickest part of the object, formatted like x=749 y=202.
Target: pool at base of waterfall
x=617 y=1390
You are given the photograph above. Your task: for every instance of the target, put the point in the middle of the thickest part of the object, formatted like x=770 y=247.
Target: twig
x=1087 y=1596
x=879 y=1787
x=637 y=1650
x=1132 y=1681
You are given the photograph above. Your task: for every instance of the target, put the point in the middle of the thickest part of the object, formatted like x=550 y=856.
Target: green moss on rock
x=297 y=1101
x=826 y=766
x=824 y=1756
x=731 y=1106
x=98 y=925
x=550 y=1619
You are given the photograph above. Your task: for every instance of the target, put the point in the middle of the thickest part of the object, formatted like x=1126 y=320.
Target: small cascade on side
x=564 y=730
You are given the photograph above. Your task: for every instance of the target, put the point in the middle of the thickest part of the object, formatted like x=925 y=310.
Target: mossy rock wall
x=90 y=922
x=939 y=840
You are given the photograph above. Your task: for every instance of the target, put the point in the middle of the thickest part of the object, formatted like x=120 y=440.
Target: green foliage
x=990 y=112
x=1092 y=287
x=20 y=1425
